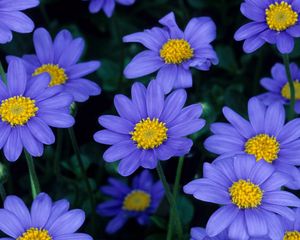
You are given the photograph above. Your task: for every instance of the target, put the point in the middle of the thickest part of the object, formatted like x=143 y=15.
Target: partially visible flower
x=292 y=228
x=173 y=52
x=264 y=136
x=46 y=220
x=279 y=88
x=273 y=21
x=150 y=127
x=108 y=6
x=27 y=109
x=137 y=201
x=253 y=203
x=59 y=59
x=198 y=233
x=12 y=19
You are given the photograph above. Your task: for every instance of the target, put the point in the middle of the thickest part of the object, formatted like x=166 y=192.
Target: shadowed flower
x=198 y=233
x=59 y=59
x=173 y=52
x=292 y=228
x=138 y=201
x=47 y=220
x=28 y=107
x=278 y=86
x=108 y=6
x=264 y=136
x=253 y=203
x=12 y=19
x=150 y=127
x=273 y=21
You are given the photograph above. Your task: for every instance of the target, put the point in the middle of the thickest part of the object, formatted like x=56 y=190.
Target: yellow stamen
x=137 y=201
x=245 y=194
x=57 y=74
x=286 y=91
x=292 y=235
x=264 y=147
x=176 y=51
x=35 y=234
x=281 y=16
x=17 y=110
x=149 y=134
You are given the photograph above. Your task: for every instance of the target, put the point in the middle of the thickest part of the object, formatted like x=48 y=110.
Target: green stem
x=2 y=73
x=83 y=173
x=34 y=182
x=175 y=194
x=58 y=152
x=286 y=61
x=45 y=14
x=2 y=192
x=171 y=200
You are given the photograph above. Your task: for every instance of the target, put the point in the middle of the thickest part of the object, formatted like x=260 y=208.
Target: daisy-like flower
x=198 y=233
x=108 y=6
x=27 y=109
x=150 y=127
x=46 y=220
x=59 y=59
x=265 y=136
x=173 y=52
x=12 y=19
x=137 y=201
x=273 y=21
x=292 y=228
x=253 y=203
x=279 y=88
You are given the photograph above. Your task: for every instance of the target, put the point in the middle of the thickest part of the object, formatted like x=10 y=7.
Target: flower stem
x=58 y=152
x=175 y=194
x=83 y=173
x=172 y=202
x=286 y=61
x=2 y=192
x=2 y=73
x=34 y=182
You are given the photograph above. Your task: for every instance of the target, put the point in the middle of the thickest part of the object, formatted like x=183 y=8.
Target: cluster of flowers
x=256 y=157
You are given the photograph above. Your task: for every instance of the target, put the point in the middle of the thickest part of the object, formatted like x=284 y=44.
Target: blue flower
x=198 y=233
x=273 y=21
x=12 y=19
x=150 y=127
x=292 y=228
x=46 y=220
x=249 y=191
x=59 y=59
x=265 y=136
x=138 y=201
x=173 y=52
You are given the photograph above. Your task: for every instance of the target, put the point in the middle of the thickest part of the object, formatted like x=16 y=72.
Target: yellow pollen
x=245 y=194
x=57 y=74
x=17 y=110
x=137 y=201
x=293 y=235
x=286 y=91
x=281 y=16
x=176 y=51
x=149 y=134
x=264 y=147
x=35 y=234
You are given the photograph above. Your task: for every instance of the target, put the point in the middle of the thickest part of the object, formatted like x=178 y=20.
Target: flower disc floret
x=137 y=200
x=35 y=234
x=57 y=74
x=245 y=194
x=286 y=91
x=292 y=235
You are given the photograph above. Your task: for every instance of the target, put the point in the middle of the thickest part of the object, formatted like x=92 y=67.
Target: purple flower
x=273 y=21
x=108 y=6
x=12 y=19
x=265 y=136
x=46 y=220
x=59 y=59
x=278 y=86
x=28 y=107
x=253 y=203
x=292 y=228
x=198 y=233
x=150 y=127
x=138 y=201
x=173 y=52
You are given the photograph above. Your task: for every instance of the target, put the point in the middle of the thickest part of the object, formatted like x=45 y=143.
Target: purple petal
x=119 y=151
x=43 y=45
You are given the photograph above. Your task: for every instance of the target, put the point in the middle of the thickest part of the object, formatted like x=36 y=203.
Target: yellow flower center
x=149 y=134
x=17 y=110
x=286 y=91
x=280 y=16
x=57 y=74
x=264 y=147
x=35 y=234
x=176 y=51
x=137 y=201
x=294 y=235
x=245 y=194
